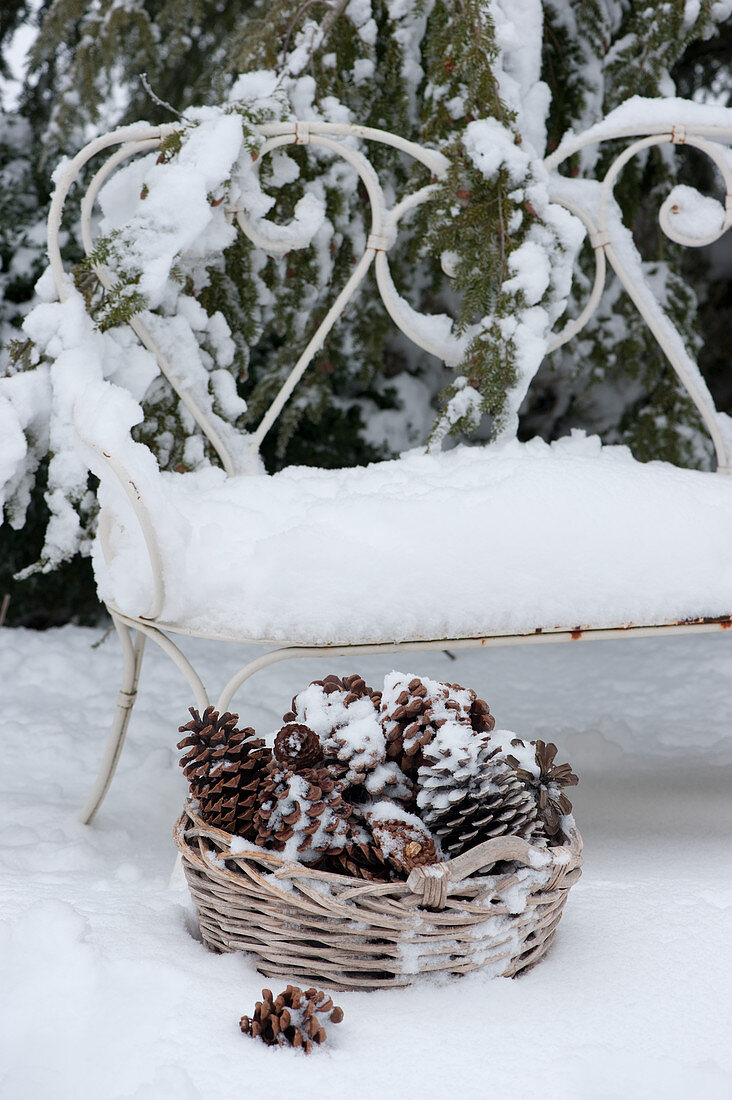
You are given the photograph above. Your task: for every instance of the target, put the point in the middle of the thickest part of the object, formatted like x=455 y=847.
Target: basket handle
x=430 y=882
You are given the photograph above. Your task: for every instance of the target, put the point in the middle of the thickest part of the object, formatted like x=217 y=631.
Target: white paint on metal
x=132 y=654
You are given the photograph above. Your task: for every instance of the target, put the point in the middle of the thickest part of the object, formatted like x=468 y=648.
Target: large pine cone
x=224 y=767
x=545 y=780
x=413 y=709
x=303 y=812
x=467 y=796
x=291 y=1019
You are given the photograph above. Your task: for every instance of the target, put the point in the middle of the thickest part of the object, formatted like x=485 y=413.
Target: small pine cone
x=404 y=841
x=225 y=767
x=466 y=799
x=535 y=767
x=293 y=1018
x=303 y=810
x=408 y=718
x=298 y=747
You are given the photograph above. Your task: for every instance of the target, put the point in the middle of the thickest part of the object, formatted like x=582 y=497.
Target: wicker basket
x=319 y=928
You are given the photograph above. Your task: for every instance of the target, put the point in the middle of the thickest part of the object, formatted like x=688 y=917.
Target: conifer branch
x=155 y=97
x=333 y=16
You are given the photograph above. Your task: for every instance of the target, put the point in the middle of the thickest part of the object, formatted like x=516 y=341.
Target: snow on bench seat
x=469 y=542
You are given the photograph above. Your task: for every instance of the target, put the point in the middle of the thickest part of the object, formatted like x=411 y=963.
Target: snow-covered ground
x=105 y=992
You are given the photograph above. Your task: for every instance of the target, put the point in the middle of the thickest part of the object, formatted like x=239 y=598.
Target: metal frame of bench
x=602 y=233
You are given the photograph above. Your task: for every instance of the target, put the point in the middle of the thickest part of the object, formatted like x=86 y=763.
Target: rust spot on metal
x=577 y=633
x=539 y=630
x=724 y=622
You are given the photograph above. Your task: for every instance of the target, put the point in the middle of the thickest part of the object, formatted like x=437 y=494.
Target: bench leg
x=132 y=652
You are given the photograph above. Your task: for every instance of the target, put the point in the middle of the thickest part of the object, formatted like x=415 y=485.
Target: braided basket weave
x=320 y=928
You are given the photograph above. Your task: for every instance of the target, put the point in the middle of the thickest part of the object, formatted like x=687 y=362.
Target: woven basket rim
x=550 y=859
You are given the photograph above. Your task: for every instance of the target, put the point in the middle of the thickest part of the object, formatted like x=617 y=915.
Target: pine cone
x=298 y=747
x=345 y=715
x=292 y=1018
x=413 y=709
x=468 y=794
x=337 y=692
x=224 y=767
x=405 y=842
x=545 y=780
x=408 y=720
x=361 y=858
x=385 y=780
x=304 y=811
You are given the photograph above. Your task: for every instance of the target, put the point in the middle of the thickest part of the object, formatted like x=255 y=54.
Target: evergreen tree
x=453 y=75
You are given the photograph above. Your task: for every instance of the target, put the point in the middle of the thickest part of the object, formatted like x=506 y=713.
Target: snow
x=642 y=115
x=491 y=146
x=519 y=27
x=694 y=215
x=538 y=536
x=108 y=993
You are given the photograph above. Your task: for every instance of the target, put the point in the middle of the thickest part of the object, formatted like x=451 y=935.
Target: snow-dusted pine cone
x=534 y=764
x=292 y=1018
x=402 y=838
x=344 y=713
x=361 y=858
x=413 y=709
x=224 y=767
x=302 y=813
x=467 y=793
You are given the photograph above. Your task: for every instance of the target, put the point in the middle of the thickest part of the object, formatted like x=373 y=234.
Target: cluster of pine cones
x=374 y=783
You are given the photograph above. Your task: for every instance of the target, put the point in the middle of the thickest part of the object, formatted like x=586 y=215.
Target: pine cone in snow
x=404 y=841
x=336 y=692
x=467 y=794
x=545 y=780
x=303 y=810
x=292 y=1018
x=413 y=709
x=344 y=713
x=224 y=767
x=361 y=858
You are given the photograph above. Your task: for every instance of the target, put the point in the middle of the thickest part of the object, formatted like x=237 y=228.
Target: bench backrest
x=594 y=206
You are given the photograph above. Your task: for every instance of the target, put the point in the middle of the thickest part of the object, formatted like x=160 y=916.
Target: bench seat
x=474 y=541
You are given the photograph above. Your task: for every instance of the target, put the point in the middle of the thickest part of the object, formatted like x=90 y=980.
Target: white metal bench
x=513 y=540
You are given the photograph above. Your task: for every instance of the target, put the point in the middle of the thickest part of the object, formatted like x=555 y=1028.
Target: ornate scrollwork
x=594 y=205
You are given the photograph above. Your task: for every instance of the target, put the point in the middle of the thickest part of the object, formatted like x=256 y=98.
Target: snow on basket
x=385 y=834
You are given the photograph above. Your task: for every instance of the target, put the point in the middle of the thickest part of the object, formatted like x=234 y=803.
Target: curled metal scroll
x=604 y=235
x=384 y=227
